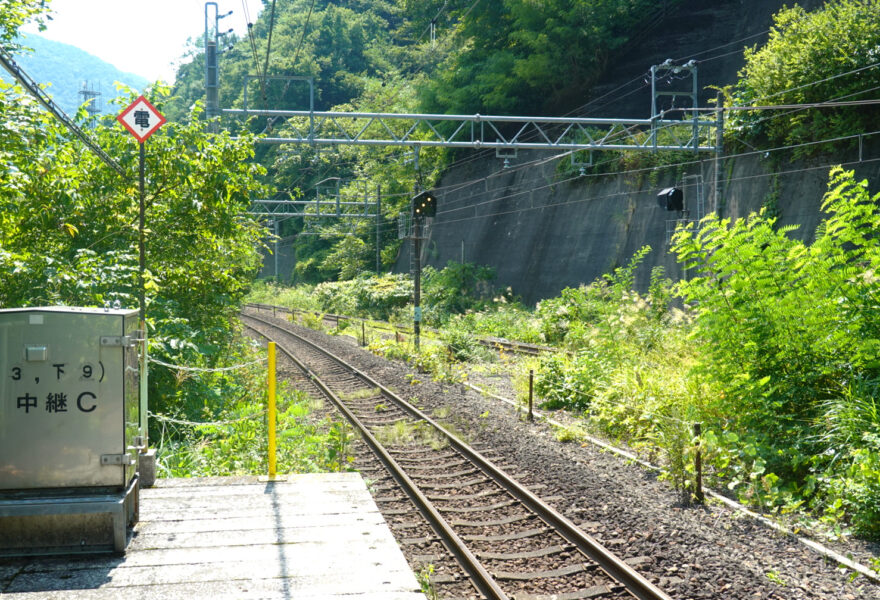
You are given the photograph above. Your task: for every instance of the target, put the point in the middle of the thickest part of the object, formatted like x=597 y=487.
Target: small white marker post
x=142 y=120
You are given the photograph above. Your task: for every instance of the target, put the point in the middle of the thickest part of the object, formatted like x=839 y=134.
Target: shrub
x=456 y=288
x=378 y=296
x=787 y=330
x=568 y=319
x=510 y=321
x=570 y=382
x=269 y=292
x=811 y=57
x=461 y=344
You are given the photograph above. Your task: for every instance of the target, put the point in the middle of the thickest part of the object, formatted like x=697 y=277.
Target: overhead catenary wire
x=460 y=186
x=447 y=39
x=433 y=21
x=490 y=215
x=743 y=39
x=679 y=164
x=818 y=81
x=268 y=50
x=829 y=103
x=261 y=77
x=795 y=88
x=479 y=155
x=302 y=36
x=542 y=206
x=722 y=46
x=553 y=205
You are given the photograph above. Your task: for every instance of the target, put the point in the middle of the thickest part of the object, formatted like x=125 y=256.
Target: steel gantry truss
x=475 y=131
x=487 y=132
x=278 y=210
x=334 y=207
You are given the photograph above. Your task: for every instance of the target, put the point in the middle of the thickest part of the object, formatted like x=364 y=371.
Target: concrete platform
x=313 y=536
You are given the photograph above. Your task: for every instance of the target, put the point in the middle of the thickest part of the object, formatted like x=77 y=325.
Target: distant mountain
x=70 y=70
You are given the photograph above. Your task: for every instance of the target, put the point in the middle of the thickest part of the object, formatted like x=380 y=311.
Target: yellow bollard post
x=271 y=417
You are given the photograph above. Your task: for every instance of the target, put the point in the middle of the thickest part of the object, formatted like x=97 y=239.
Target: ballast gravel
x=702 y=552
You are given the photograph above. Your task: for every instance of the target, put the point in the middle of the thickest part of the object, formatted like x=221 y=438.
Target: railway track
x=507 y=542
x=333 y=320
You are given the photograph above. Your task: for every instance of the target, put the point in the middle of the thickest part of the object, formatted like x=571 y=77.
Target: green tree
x=16 y=13
x=68 y=226
x=519 y=56
x=812 y=57
x=346 y=257
x=457 y=288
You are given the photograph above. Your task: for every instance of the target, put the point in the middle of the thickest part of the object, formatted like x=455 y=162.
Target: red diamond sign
x=141 y=119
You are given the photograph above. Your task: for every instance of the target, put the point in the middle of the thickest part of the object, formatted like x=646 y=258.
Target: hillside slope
x=68 y=69
x=543 y=230
x=712 y=32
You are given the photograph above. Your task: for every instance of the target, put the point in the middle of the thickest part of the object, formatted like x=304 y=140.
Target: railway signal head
x=424 y=205
x=671 y=199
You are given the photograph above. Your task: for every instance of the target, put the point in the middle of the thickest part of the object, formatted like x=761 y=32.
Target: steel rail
x=515 y=347
x=491 y=343
x=482 y=580
x=618 y=570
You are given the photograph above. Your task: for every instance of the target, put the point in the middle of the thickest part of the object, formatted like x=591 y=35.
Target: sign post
x=142 y=120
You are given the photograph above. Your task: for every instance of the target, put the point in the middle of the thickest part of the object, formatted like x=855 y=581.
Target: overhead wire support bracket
x=670 y=68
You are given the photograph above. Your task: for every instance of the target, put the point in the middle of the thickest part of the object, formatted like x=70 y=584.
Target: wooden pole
x=698 y=464
x=531 y=393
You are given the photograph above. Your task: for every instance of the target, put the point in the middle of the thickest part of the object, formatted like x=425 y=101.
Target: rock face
x=711 y=32
x=544 y=229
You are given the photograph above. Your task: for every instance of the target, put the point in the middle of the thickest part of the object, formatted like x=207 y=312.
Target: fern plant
x=786 y=327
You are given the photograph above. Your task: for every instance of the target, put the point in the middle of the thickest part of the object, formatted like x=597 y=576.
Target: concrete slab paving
x=310 y=537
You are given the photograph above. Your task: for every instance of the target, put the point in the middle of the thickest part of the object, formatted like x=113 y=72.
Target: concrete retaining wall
x=544 y=231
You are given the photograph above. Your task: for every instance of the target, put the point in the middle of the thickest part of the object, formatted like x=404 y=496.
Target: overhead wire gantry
x=659 y=132
x=696 y=131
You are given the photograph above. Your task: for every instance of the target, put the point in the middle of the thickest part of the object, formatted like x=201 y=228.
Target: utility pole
x=378 y=227
x=424 y=205
x=212 y=79
x=417 y=280
x=719 y=149
x=212 y=70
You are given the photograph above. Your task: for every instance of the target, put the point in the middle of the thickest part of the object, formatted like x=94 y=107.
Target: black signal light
x=671 y=199
x=424 y=205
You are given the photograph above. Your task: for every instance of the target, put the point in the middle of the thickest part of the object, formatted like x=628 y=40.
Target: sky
x=146 y=38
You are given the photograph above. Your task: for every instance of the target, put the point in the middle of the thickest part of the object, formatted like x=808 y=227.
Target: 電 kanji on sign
x=141 y=119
